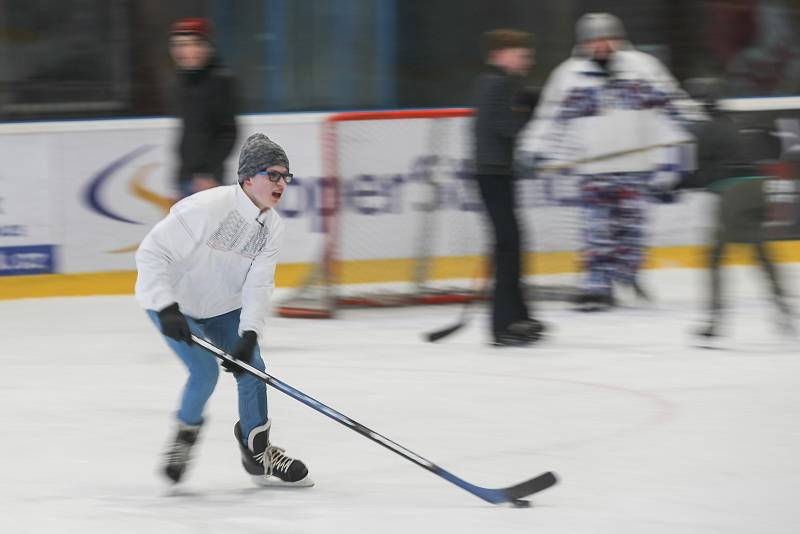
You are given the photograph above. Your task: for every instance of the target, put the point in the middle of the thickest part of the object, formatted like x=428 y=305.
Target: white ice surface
x=648 y=433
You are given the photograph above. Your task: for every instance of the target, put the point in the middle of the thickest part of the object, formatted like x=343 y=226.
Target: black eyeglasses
x=275 y=176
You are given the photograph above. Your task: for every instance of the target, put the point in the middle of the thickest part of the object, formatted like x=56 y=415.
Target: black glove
x=243 y=351
x=174 y=325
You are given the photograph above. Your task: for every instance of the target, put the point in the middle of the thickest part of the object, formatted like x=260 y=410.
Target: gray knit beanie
x=258 y=153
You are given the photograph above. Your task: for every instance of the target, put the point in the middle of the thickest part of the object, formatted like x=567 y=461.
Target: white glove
x=664 y=181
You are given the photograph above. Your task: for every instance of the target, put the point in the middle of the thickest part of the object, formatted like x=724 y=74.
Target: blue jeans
x=222 y=331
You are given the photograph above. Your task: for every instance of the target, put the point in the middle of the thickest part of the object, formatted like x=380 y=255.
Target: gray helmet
x=593 y=26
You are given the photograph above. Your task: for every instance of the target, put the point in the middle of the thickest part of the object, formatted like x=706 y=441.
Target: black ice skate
x=179 y=453
x=268 y=464
x=708 y=336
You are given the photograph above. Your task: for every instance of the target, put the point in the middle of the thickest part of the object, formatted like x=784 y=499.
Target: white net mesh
x=408 y=226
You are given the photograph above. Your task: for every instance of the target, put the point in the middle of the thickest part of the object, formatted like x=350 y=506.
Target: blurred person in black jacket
x=205 y=103
x=734 y=162
x=503 y=106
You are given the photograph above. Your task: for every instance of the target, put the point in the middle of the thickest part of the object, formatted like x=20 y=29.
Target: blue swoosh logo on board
x=93 y=191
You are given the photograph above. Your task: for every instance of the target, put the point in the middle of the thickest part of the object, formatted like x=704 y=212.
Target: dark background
x=108 y=58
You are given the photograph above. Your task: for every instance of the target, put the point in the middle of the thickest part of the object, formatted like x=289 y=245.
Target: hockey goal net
x=402 y=221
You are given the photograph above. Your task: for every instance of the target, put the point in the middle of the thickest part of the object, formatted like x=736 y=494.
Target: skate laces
x=181 y=448
x=179 y=452
x=278 y=461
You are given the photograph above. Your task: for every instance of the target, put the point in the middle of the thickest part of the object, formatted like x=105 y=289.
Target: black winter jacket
x=205 y=103
x=502 y=107
x=727 y=149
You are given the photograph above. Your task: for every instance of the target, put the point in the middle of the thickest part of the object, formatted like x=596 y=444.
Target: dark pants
x=508 y=304
x=741 y=215
x=764 y=261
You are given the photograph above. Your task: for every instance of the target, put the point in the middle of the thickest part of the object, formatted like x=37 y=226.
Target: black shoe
x=259 y=457
x=510 y=339
x=530 y=328
x=520 y=333
x=708 y=336
x=592 y=302
x=709 y=331
x=178 y=455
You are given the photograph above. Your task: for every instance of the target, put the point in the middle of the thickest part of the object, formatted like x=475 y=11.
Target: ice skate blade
x=275 y=482
x=709 y=343
x=591 y=308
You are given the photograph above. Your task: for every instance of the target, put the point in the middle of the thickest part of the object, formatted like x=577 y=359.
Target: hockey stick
x=605 y=157
x=512 y=494
x=463 y=320
x=465 y=316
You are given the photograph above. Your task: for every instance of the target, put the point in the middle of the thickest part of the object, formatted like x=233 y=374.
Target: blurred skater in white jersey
x=609 y=99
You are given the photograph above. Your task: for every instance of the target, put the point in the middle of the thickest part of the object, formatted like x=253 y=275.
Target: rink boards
x=77 y=197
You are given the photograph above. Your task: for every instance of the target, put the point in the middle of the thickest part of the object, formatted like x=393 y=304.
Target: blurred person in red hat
x=205 y=103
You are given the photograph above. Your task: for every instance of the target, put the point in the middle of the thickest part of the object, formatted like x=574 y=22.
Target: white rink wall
x=78 y=196
x=84 y=193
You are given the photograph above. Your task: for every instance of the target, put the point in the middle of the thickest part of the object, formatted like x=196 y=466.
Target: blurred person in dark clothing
x=205 y=103
x=503 y=106
x=734 y=162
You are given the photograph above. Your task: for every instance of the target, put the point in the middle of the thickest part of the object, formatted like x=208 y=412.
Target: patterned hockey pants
x=613 y=220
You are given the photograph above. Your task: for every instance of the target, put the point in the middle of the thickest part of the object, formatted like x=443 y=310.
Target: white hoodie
x=215 y=252
x=584 y=115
